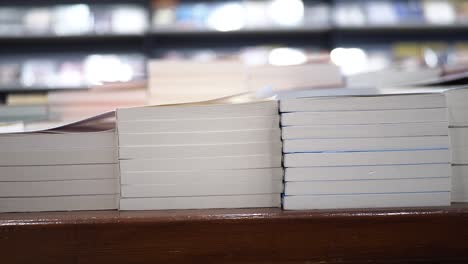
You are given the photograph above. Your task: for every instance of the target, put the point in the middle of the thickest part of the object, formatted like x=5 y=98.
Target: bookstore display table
x=237 y=236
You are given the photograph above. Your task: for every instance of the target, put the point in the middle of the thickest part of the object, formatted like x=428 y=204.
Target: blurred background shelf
x=84 y=44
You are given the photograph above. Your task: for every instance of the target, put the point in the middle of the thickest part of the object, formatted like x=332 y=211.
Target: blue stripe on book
x=343 y=194
x=353 y=151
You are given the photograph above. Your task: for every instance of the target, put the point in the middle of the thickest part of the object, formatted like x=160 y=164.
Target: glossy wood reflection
x=237 y=236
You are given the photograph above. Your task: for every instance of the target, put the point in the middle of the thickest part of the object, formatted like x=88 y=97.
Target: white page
x=193 y=151
x=459 y=155
x=364 y=117
x=366 y=158
x=198 y=111
x=199 y=125
x=59 y=203
x=368 y=172
x=202 y=189
x=460 y=183
x=201 y=202
x=459 y=137
x=368 y=186
x=59 y=188
x=304 y=202
x=59 y=172
x=366 y=130
x=356 y=103
x=365 y=144
x=199 y=176
x=197 y=138
x=45 y=141
x=59 y=157
x=210 y=163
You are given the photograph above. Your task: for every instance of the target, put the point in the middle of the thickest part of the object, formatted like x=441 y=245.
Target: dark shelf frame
x=325 y=37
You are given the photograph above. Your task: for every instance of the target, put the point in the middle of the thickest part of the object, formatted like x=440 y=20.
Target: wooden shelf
x=238 y=236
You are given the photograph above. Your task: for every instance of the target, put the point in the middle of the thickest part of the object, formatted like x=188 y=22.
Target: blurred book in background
x=73 y=20
x=202 y=76
x=26 y=98
x=47 y=72
x=409 y=12
x=316 y=15
x=381 y=13
x=46 y=91
x=439 y=12
x=176 y=81
x=349 y=13
x=178 y=16
x=74 y=105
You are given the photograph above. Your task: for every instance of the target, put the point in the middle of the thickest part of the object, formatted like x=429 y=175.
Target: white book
x=460 y=183
x=59 y=172
x=458 y=116
x=368 y=186
x=59 y=157
x=459 y=137
x=45 y=141
x=304 y=202
x=201 y=189
x=208 y=176
x=194 y=111
x=367 y=172
x=365 y=144
x=199 y=125
x=197 y=138
x=364 y=117
x=59 y=188
x=201 y=202
x=202 y=163
x=456 y=97
x=366 y=158
x=366 y=130
x=459 y=155
x=59 y=203
x=192 y=151
x=457 y=108
x=355 y=103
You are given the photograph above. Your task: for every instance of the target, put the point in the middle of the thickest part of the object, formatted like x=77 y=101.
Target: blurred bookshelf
x=46 y=45
x=146 y=25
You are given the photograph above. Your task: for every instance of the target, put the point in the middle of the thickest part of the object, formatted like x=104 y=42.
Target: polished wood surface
x=238 y=236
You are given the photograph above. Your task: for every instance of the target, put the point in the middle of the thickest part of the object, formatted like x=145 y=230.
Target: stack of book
x=59 y=170
x=185 y=81
x=366 y=151
x=200 y=156
x=458 y=121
